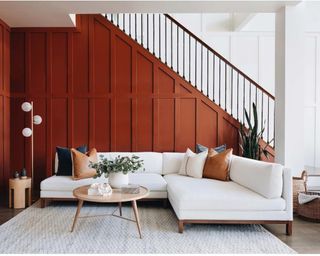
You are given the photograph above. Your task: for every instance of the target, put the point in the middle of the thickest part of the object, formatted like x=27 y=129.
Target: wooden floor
x=305 y=238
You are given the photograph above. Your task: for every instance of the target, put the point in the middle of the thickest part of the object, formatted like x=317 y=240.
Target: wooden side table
x=18 y=188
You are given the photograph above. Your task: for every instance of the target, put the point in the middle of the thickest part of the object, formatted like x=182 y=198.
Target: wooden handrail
x=220 y=56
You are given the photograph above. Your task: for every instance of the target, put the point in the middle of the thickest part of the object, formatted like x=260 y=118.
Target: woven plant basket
x=310 y=210
x=299 y=185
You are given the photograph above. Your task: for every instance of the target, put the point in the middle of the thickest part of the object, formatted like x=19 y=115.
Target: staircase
x=200 y=65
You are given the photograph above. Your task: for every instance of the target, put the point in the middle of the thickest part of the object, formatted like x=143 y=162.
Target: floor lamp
x=28 y=132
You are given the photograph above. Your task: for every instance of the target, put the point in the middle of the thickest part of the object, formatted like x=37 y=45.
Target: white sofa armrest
x=287 y=192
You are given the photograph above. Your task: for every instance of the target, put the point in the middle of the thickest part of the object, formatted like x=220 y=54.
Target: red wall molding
x=5 y=107
x=97 y=86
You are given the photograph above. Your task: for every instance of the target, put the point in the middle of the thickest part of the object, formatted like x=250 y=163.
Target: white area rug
x=37 y=230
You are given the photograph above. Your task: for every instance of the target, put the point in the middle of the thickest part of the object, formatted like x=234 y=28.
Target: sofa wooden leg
x=43 y=202
x=289 y=228
x=181 y=226
x=165 y=203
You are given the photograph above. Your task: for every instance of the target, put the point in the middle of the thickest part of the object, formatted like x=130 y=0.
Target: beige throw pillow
x=192 y=164
x=80 y=164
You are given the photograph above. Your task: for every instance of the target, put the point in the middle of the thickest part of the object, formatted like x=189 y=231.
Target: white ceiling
x=56 y=13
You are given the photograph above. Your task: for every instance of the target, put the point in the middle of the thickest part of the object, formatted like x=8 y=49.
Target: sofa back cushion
x=171 y=162
x=152 y=161
x=262 y=177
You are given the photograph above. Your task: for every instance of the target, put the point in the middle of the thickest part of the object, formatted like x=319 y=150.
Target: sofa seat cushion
x=66 y=183
x=152 y=181
x=187 y=193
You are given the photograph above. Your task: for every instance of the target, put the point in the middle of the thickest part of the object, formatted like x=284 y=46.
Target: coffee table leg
x=80 y=203
x=136 y=214
x=120 y=208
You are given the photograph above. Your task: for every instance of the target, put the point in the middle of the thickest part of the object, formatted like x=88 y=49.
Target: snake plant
x=250 y=137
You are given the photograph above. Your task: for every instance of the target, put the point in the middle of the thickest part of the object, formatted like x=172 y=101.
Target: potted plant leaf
x=250 y=137
x=117 y=169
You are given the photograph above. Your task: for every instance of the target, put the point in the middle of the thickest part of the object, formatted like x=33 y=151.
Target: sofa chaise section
x=260 y=193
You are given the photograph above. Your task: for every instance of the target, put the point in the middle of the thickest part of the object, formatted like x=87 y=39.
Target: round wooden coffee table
x=117 y=196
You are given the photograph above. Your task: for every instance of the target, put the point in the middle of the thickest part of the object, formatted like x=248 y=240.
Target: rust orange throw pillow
x=217 y=165
x=80 y=164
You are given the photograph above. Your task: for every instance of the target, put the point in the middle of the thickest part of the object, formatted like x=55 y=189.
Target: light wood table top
x=117 y=196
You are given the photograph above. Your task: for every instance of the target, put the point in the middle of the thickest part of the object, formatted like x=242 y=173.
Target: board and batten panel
x=36 y=57
x=165 y=125
x=144 y=103
x=144 y=124
x=207 y=122
x=81 y=122
x=80 y=61
x=59 y=66
x=123 y=66
x=17 y=61
x=101 y=58
x=122 y=122
x=187 y=126
x=59 y=117
x=102 y=121
x=122 y=99
x=5 y=170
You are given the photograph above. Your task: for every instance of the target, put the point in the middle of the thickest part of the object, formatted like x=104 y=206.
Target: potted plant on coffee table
x=117 y=169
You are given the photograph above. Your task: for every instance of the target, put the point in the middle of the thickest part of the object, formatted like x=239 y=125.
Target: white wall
x=254 y=53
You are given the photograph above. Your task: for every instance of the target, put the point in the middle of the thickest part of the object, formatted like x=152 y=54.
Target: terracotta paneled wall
x=5 y=108
x=97 y=86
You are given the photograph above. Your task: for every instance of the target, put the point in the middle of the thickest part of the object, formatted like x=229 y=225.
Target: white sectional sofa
x=258 y=192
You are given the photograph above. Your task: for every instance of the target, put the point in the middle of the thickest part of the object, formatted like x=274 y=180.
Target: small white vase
x=118 y=179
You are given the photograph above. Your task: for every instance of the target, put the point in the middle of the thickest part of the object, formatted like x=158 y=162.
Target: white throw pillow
x=192 y=164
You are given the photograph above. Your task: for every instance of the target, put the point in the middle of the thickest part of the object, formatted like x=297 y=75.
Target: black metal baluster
x=112 y=17
x=256 y=97
x=274 y=124
x=262 y=113
x=237 y=95
x=201 y=49
x=244 y=100
x=225 y=86
x=189 y=58
x=147 y=31
x=178 y=50
x=141 y=21
x=117 y=19
x=196 y=64
x=250 y=100
x=123 y=22
x=231 y=88
x=171 y=32
x=130 y=24
x=213 y=76
x=207 y=72
x=268 y=118
x=154 y=37
x=183 y=55
x=165 y=34
x=159 y=36
x=219 y=82
x=135 y=26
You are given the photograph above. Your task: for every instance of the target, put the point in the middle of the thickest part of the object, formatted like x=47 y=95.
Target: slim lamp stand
x=29 y=132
